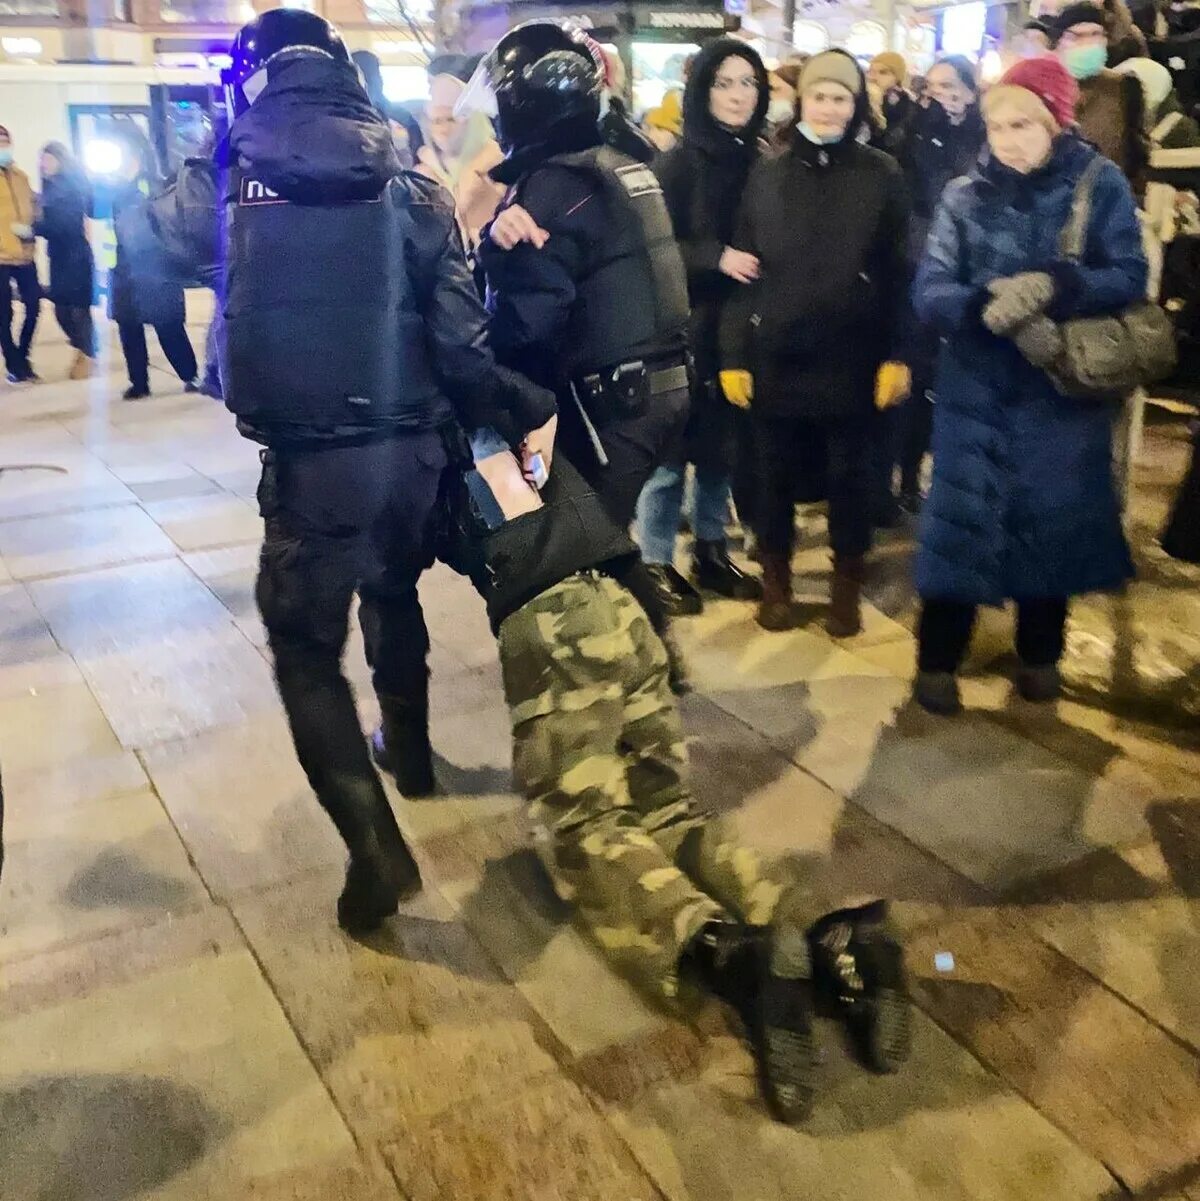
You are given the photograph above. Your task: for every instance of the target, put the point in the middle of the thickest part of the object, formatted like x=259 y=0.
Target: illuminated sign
x=21 y=47
x=686 y=20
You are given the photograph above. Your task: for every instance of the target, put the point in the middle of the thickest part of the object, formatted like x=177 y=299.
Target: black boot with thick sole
x=764 y=973
x=858 y=972
x=715 y=571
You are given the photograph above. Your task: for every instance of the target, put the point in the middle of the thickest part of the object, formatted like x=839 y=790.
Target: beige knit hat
x=831 y=66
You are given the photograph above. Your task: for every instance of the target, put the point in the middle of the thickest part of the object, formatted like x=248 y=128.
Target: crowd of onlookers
x=844 y=289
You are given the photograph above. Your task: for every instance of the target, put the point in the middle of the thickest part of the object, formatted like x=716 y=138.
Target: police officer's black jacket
x=349 y=309
x=608 y=287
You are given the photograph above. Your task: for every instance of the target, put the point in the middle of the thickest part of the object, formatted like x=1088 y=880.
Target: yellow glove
x=738 y=387
x=893 y=384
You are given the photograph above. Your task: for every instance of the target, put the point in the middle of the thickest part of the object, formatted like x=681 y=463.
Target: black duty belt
x=609 y=396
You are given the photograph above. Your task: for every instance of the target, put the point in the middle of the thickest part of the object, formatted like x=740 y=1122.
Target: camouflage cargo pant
x=599 y=753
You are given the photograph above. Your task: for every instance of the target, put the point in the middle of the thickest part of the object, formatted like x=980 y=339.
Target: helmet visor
x=479 y=96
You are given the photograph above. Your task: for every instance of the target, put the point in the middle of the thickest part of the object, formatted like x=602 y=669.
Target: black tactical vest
x=322 y=334
x=631 y=302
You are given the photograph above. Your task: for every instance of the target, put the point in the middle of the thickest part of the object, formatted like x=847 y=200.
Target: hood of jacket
x=699 y=128
x=313 y=135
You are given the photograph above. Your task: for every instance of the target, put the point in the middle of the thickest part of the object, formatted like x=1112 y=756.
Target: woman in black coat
x=64 y=207
x=144 y=293
x=724 y=109
x=813 y=347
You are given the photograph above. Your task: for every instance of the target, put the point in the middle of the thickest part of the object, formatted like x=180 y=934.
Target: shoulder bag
x=1109 y=355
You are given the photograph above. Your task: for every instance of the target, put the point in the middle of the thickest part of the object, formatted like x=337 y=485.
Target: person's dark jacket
x=552 y=307
x=1111 y=115
x=572 y=532
x=144 y=287
x=66 y=204
x=1022 y=503
x=830 y=227
x=313 y=138
x=620 y=131
x=900 y=111
x=703 y=177
x=936 y=152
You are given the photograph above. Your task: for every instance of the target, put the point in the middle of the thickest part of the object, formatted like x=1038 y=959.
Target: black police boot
x=676 y=595
x=716 y=571
x=858 y=972
x=764 y=974
x=401 y=746
x=381 y=872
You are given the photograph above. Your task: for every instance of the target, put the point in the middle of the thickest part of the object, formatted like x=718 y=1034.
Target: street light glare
x=102 y=156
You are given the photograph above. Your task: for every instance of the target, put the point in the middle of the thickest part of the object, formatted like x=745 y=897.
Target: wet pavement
x=181 y=1018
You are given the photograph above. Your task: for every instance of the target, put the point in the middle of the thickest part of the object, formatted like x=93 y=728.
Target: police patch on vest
x=639 y=180
x=253 y=192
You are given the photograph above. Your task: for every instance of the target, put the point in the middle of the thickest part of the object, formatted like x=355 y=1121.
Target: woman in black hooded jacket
x=724 y=109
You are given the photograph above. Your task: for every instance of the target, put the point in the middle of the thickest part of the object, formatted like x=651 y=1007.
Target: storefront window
x=28 y=8
x=657 y=70
x=205 y=12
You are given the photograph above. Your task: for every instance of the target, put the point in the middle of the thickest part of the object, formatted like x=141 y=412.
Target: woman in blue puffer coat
x=1023 y=505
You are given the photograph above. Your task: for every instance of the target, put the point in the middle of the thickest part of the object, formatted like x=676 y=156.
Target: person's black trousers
x=76 y=322
x=342 y=519
x=176 y=346
x=783 y=446
x=944 y=632
x=29 y=290
x=634 y=446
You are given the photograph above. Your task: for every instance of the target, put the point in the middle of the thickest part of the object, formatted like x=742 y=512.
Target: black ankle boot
x=858 y=972
x=676 y=596
x=763 y=973
x=717 y=572
x=382 y=871
x=401 y=747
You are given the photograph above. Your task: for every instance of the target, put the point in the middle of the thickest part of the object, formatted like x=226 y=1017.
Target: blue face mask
x=5 y=157
x=1086 y=62
x=816 y=139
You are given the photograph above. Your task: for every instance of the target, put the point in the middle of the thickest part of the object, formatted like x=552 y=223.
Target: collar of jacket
x=1067 y=161
x=820 y=157
x=567 y=137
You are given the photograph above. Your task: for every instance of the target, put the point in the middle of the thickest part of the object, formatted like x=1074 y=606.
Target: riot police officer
x=598 y=311
x=352 y=334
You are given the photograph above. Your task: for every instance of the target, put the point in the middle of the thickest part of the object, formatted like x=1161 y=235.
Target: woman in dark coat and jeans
x=813 y=347
x=724 y=108
x=143 y=293
x=1023 y=505
x=64 y=207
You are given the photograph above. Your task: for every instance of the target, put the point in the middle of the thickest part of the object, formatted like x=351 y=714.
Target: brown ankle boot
x=775 y=610
x=845 y=600
x=81 y=368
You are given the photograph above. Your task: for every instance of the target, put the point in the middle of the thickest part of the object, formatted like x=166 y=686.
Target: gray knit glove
x=1016 y=298
x=1039 y=340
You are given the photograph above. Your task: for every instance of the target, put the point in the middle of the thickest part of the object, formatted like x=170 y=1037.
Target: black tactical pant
x=634 y=446
x=342 y=519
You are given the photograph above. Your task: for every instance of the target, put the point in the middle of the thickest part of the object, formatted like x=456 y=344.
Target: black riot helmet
x=539 y=76
x=271 y=35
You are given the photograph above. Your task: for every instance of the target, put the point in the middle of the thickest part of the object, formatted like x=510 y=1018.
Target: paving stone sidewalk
x=181 y=1019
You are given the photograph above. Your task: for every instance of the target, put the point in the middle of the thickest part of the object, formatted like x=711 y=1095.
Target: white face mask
x=780 y=111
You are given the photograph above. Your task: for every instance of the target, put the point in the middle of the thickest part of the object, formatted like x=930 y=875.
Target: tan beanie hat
x=831 y=66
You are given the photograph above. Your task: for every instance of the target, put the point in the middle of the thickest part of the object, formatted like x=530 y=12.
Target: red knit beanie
x=1049 y=81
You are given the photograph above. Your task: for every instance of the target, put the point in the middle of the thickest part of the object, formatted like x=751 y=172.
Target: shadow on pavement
x=99 y=1137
